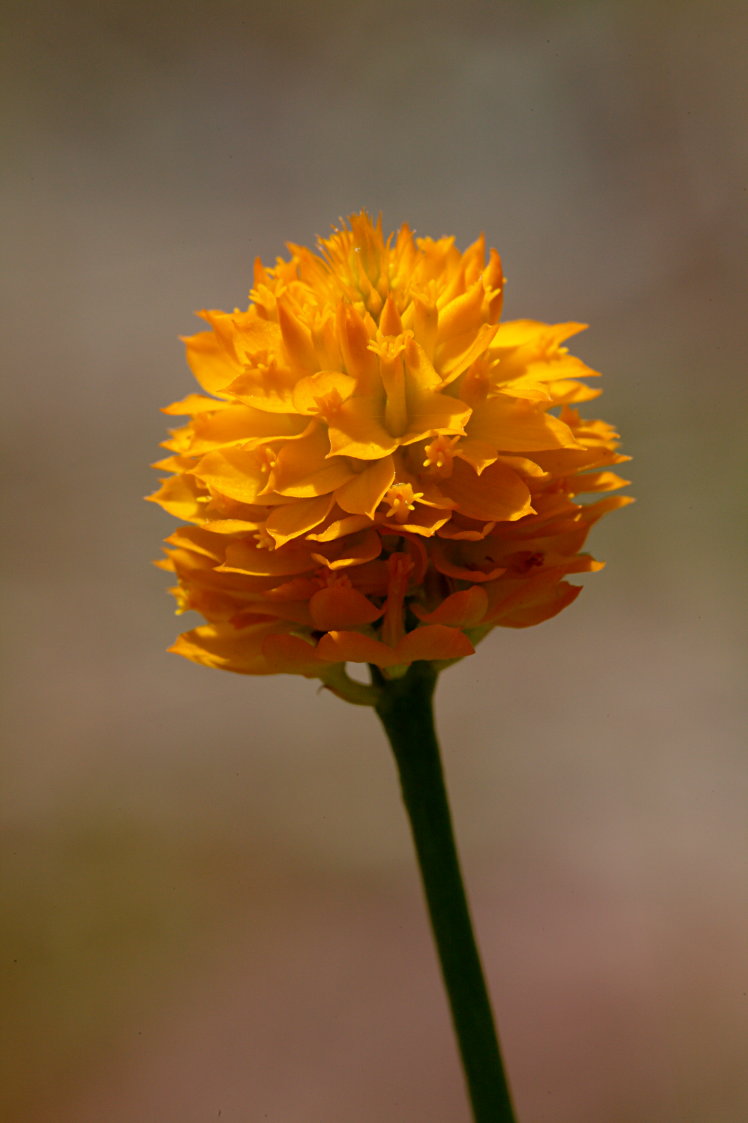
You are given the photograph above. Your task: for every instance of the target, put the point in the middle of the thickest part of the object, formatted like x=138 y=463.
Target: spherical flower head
x=378 y=470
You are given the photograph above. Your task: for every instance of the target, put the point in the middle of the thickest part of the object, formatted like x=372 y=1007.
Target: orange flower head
x=378 y=470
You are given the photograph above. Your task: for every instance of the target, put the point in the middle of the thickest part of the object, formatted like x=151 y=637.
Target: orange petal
x=478 y=454
x=423 y=520
x=339 y=528
x=355 y=647
x=536 y=606
x=340 y=607
x=461 y=531
x=433 y=641
x=472 y=561
x=245 y=557
x=198 y=540
x=352 y=550
x=595 y=481
x=291 y=655
x=465 y=609
x=497 y=495
x=591 y=512
x=228 y=648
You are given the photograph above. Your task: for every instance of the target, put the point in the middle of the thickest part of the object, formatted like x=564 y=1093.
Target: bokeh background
x=210 y=907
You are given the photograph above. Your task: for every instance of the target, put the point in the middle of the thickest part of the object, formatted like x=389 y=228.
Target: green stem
x=405 y=709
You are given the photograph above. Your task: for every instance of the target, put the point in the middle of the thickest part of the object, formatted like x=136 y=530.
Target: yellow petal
x=515 y=333
x=285 y=523
x=422 y=520
x=231 y=526
x=463 y=314
x=339 y=528
x=245 y=426
x=319 y=394
x=213 y=367
x=333 y=474
x=175 y=463
x=354 y=337
x=516 y=425
x=389 y=320
x=297 y=339
x=251 y=336
x=193 y=404
x=356 y=430
x=567 y=390
x=436 y=413
x=198 y=540
x=362 y=494
x=463 y=352
x=270 y=391
x=304 y=468
x=232 y=472
x=179 y=496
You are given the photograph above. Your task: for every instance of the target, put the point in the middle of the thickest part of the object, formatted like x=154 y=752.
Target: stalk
x=405 y=708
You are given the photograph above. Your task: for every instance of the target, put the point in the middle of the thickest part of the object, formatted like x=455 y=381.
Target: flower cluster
x=378 y=470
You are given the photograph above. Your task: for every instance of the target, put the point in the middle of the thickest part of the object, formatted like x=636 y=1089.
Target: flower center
x=329 y=579
x=327 y=405
x=264 y=540
x=402 y=500
x=440 y=455
x=265 y=458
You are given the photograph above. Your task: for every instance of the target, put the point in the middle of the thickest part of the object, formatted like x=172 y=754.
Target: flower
x=378 y=470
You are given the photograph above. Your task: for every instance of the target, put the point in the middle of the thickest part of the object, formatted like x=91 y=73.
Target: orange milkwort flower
x=378 y=470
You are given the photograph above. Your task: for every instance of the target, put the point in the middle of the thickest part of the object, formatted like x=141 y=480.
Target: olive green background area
x=209 y=906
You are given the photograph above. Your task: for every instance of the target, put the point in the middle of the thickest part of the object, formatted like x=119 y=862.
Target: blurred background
x=210 y=907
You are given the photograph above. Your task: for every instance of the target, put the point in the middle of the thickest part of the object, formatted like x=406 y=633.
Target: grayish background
x=210 y=908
